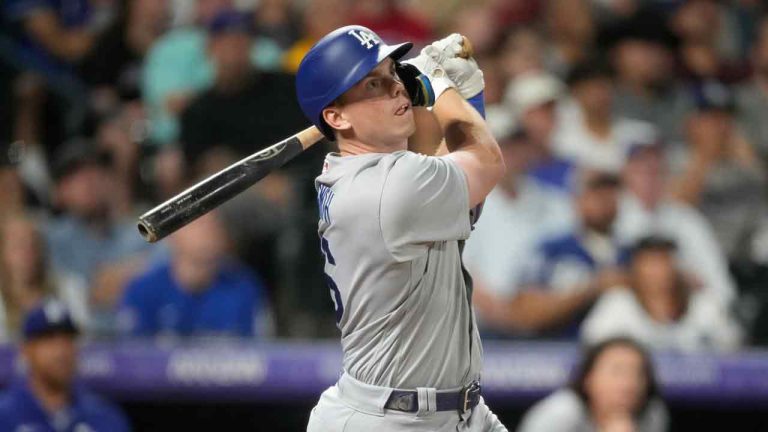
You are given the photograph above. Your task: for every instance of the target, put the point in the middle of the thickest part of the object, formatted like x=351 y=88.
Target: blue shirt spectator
x=77 y=248
x=20 y=410
x=86 y=235
x=564 y=273
x=200 y=291
x=155 y=303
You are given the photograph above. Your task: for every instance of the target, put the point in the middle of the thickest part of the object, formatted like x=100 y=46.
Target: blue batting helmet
x=337 y=62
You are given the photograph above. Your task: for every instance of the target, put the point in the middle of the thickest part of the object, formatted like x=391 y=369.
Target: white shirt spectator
x=564 y=411
x=699 y=253
x=705 y=324
x=509 y=230
x=574 y=142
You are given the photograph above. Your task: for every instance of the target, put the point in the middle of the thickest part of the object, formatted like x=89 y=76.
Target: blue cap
x=337 y=62
x=230 y=21
x=713 y=95
x=47 y=318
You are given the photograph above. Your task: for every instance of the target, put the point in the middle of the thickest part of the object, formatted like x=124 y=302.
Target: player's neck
x=354 y=147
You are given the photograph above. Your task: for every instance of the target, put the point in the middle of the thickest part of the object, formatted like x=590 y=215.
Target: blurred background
x=635 y=133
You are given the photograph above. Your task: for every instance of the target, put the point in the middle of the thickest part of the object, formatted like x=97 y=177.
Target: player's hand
x=442 y=58
x=424 y=79
x=464 y=72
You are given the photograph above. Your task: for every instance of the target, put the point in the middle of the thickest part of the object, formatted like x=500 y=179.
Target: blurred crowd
x=633 y=132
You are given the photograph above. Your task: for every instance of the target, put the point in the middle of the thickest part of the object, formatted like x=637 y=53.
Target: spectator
x=661 y=308
x=568 y=271
x=720 y=173
x=521 y=53
x=752 y=97
x=646 y=208
x=517 y=215
x=89 y=238
x=201 y=291
x=614 y=390
x=534 y=97
x=641 y=53
x=390 y=20
x=87 y=234
x=177 y=68
x=47 y=38
x=710 y=45
x=26 y=277
x=590 y=134
x=277 y=20
x=319 y=18
x=571 y=30
x=113 y=68
x=240 y=113
x=48 y=398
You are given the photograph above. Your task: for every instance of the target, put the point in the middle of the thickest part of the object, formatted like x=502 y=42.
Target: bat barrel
x=215 y=190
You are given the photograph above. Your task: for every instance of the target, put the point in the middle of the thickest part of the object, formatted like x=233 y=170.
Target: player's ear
x=334 y=116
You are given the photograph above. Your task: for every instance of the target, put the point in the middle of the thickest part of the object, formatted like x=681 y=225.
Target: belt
x=463 y=400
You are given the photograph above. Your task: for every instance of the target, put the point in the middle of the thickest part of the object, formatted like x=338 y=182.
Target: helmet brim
x=395 y=52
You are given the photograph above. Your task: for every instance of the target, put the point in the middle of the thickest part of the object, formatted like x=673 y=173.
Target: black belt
x=462 y=400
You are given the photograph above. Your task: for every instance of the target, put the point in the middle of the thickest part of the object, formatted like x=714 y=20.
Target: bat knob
x=466 y=48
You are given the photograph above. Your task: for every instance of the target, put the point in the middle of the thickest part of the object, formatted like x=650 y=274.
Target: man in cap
x=534 y=97
x=47 y=398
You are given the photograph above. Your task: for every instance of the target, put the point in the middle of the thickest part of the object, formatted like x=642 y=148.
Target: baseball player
x=392 y=226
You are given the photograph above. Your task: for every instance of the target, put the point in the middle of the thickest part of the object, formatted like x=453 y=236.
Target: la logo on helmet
x=366 y=39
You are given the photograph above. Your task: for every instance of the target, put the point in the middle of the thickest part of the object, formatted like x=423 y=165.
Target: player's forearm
x=470 y=144
x=428 y=136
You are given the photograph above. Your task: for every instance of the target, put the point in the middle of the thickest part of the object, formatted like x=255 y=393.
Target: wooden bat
x=222 y=186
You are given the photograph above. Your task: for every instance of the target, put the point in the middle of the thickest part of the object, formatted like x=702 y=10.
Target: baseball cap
x=588 y=70
x=230 y=21
x=713 y=96
x=49 y=317
x=75 y=154
x=532 y=90
x=644 y=139
x=590 y=180
x=654 y=242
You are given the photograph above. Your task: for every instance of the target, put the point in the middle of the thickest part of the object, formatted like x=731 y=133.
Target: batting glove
x=465 y=73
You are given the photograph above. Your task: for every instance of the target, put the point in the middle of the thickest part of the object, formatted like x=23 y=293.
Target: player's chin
x=405 y=124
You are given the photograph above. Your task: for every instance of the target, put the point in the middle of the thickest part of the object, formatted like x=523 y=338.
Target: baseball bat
x=222 y=186
x=225 y=184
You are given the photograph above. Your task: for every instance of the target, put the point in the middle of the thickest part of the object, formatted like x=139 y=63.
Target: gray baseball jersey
x=390 y=227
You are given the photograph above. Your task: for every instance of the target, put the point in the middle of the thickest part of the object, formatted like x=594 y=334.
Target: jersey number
x=335 y=294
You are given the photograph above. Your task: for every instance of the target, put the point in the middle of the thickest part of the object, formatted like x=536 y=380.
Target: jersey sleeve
x=424 y=200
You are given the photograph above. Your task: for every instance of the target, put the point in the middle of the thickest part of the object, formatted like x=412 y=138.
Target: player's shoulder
x=410 y=167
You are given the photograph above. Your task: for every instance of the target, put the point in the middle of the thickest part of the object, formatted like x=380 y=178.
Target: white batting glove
x=443 y=56
x=466 y=74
